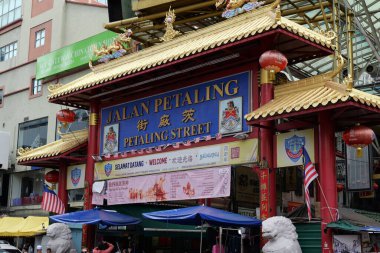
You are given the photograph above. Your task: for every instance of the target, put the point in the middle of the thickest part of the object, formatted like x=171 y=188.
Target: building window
x=30 y=187
x=105 y=2
x=81 y=122
x=32 y=134
x=8 y=51
x=1 y=97
x=36 y=88
x=40 y=38
x=10 y=10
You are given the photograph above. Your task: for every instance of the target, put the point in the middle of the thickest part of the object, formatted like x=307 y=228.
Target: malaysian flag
x=310 y=175
x=51 y=202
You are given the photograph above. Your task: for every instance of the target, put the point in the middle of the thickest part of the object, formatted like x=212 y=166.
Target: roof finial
x=276 y=4
x=339 y=67
x=169 y=20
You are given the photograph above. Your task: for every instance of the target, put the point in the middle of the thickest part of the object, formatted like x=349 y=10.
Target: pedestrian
x=39 y=249
x=104 y=247
x=84 y=250
x=48 y=250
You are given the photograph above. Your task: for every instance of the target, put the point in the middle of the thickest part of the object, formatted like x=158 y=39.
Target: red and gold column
x=327 y=175
x=88 y=232
x=62 y=184
x=267 y=172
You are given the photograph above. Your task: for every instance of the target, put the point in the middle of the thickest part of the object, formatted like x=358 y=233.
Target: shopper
x=104 y=247
x=39 y=249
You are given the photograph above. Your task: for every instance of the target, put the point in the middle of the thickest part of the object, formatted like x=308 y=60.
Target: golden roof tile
x=66 y=143
x=225 y=32
x=317 y=91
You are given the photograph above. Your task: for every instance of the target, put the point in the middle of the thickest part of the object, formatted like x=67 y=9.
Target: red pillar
x=88 y=232
x=266 y=150
x=327 y=176
x=62 y=184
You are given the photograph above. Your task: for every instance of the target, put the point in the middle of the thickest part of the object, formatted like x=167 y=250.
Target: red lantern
x=273 y=60
x=339 y=187
x=65 y=116
x=358 y=137
x=375 y=186
x=52 y=177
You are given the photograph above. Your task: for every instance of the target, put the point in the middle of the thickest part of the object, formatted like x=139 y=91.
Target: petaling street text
x=176 y=133
x=177 y=100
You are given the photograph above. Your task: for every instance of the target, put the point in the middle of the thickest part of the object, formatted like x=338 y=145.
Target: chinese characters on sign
x=180 y=115
x=192 y=158
x=194 y=184
x=264 y=194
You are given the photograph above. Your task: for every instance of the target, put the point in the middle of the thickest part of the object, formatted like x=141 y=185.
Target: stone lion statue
x=60 y=238
x=281 y=235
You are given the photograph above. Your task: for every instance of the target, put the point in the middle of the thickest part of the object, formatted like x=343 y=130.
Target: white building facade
x=29 y=30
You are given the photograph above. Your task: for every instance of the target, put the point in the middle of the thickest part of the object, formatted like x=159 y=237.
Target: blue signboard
x=209 y=108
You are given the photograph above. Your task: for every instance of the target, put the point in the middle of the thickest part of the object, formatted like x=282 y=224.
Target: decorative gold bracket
x=93 y=119
x=340 y=65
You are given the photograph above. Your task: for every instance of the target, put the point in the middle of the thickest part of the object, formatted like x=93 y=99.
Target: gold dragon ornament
x=236 y=7
x=120 y=46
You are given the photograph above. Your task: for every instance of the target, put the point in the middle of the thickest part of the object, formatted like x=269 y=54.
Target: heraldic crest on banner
x=75 y=176
x=108 y=169
x=231 y=116
x=293 y=147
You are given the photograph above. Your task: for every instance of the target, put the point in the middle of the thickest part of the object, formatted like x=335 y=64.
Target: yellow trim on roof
x=228 y=31
x=317 y=91
x=66 y=143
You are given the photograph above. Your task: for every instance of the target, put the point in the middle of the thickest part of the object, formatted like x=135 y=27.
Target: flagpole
x=306 y=189
x=324 y=197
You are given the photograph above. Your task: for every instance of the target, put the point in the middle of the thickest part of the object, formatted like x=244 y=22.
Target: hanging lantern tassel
x=358 y=137
x=359 y=152
x=339 y=187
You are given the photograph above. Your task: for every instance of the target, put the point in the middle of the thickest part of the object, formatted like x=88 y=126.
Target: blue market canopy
x=96 y=216
x=197 y=215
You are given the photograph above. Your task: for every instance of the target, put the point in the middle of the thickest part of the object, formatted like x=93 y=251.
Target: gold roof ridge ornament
x=23 y=151
x=120 y=46
x=52 y=87
x=233 y=8
x=339 y=67
x=170 y=33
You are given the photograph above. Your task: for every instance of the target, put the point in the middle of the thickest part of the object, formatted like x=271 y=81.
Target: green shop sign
x=72 y=56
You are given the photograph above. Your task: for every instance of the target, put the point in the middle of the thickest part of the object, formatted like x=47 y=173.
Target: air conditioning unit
x=5 y=140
